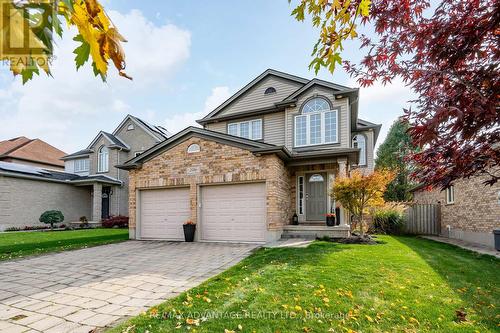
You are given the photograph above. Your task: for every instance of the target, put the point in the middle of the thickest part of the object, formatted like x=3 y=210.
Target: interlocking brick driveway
x=77 y=291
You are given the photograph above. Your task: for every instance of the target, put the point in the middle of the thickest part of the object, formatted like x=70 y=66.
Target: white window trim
x=78 y=165
x=301 y=201
x=100 y=160
x=308 y=128
x=365 y=155
x=249 y=122
x=450 y=190
x=193 y=148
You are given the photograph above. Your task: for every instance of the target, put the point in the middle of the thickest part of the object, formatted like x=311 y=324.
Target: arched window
x=130 y=127
x=194 y=148
x=316 y=104
x=317 y=124
x=270 y=90
x=103 y=159
x=359 y=141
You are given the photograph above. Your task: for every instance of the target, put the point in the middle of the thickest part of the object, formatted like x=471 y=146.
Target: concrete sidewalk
x=482 y=249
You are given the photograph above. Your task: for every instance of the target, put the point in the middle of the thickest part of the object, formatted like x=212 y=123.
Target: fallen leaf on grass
x=461 y=315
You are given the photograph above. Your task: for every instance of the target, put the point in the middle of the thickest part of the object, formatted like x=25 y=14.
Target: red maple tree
x=449 y=56
x=447 y=52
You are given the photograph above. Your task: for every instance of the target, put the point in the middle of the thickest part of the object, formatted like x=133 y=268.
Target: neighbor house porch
x=106 y=197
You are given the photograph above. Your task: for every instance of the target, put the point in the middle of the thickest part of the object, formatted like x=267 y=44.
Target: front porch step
x=315 y=231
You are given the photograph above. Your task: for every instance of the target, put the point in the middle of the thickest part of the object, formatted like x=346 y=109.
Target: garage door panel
x=163 y=212
x=234 y=212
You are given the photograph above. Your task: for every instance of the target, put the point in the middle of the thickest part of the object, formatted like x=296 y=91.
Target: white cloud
x=218 y=96
x=180 y=121
x=68 y=109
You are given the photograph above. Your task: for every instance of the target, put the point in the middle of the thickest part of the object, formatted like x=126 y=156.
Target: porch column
x=343 y=173
x=97 y=202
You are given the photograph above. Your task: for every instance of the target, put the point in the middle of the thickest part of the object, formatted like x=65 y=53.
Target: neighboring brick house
x=470 y=210
x=34 y=152
x=90 y=185
x=271 y=150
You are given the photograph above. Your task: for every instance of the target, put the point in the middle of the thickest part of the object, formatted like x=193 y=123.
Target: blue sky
x=186 y=57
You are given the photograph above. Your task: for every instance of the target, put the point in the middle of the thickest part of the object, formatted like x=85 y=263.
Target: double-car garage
x=226 y=213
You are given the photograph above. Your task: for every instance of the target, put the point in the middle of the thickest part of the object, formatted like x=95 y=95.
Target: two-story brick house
x=109 y=192
x=270 y=151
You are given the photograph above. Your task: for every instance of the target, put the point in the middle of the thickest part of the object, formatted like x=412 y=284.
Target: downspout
x=118 y=175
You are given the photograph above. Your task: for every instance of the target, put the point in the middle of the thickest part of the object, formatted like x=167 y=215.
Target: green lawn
x=20 y=244
x=403 y=285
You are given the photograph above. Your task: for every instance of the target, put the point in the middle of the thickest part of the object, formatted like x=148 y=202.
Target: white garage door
x=234 y=212
x=163 y=212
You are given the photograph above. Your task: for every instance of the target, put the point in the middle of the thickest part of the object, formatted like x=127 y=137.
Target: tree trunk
x=361 y=223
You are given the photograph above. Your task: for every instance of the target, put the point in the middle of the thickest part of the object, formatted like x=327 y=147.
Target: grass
x=21 y=244
x=405 y=284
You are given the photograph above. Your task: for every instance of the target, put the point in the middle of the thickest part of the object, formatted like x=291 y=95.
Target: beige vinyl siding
x=370 y=164
x=343 y=117
x=273 y=126
x=220 y=127
x=255 y=99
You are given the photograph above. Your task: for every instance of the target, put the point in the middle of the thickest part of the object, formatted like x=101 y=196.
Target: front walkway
x=77 y=291
x=483 y=249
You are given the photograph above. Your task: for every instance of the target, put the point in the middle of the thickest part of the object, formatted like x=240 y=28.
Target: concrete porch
x=312 y=231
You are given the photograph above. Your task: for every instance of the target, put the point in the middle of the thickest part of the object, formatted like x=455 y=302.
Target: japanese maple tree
x=359 y=192
x=447 y=53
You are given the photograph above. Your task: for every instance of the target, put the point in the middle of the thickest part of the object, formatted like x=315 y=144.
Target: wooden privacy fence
x=423 y=219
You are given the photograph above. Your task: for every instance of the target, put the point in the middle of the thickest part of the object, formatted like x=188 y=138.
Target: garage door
x=233 y=212
x=163 y=212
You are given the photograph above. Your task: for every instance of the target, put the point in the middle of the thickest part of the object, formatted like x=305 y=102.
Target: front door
x=105 y=202
x=316 y=196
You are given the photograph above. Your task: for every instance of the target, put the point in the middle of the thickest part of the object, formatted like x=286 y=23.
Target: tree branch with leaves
x=446 y=53
x=358 y=192
x=98 y=37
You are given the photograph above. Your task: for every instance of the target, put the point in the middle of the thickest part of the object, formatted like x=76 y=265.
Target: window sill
x=299 y=148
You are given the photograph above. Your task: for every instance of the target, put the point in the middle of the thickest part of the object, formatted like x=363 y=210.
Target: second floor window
x=103 y=159
x=251 y=129
x=318 y=123
x=359 y=141
x=81 y=165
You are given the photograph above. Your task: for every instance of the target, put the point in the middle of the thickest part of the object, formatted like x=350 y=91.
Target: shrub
x=51 y=217
x=388 y=221
x=84 y=222
x=118 y=221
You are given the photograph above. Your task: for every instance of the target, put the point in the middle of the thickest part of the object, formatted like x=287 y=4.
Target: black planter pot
x=189 y=230
x=330 y=221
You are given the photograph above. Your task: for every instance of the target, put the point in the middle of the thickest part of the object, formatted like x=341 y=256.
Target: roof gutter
x=279 y=106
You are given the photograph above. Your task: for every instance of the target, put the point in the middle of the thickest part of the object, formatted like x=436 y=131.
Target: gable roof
x=78 y=154
x=115 y=141
x=289 y=100
x=323 y=83
x=362 y=125
x=33 y=150
x=31 y=172
x=159 y=133
x=252 y=83
x=190 y=132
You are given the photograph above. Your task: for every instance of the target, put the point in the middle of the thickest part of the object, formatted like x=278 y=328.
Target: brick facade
x=216 y=163
x=474 y=213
